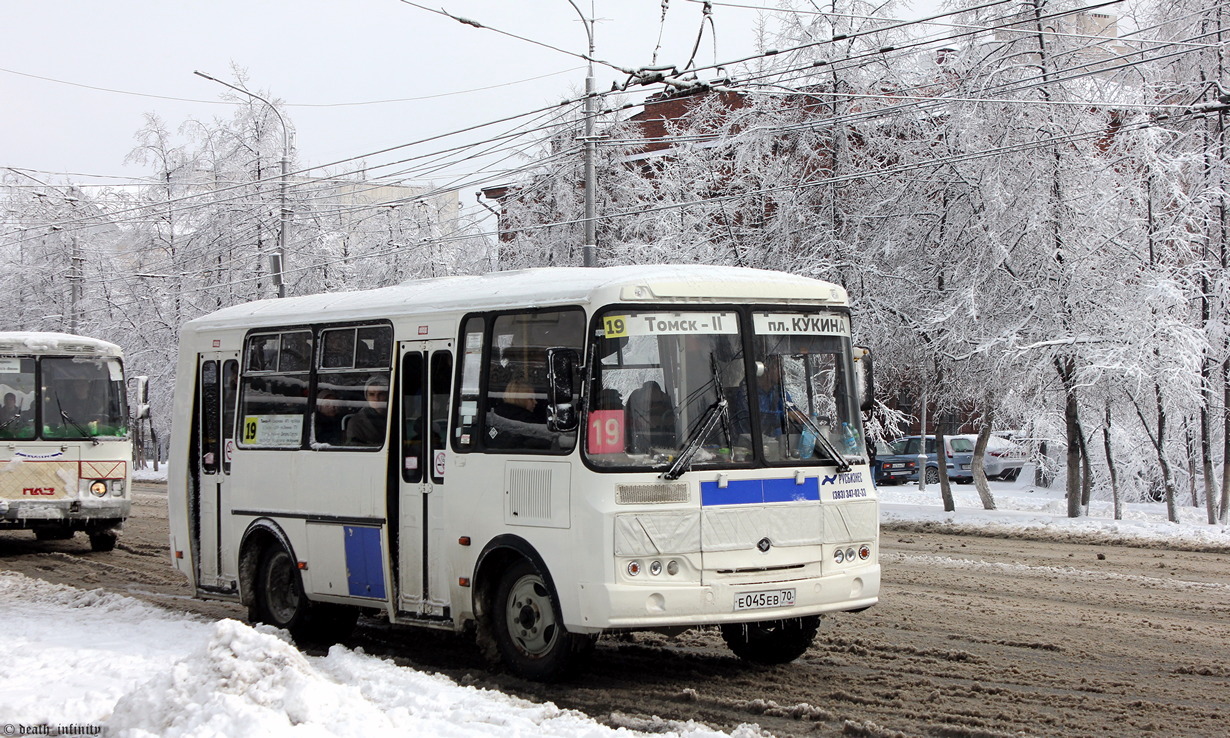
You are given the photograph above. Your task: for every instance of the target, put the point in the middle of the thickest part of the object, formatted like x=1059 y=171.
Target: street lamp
x=590 y=247
x=277 y=262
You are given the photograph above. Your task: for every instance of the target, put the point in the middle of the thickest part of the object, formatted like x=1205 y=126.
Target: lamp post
x=590 y=247
x=277 y=262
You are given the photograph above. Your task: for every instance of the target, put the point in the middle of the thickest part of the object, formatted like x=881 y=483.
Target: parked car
x=892 y=467
x=958 y=454
x=1003 y=459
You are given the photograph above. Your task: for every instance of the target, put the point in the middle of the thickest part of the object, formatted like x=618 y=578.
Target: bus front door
x=217 y=384
x=426 y=374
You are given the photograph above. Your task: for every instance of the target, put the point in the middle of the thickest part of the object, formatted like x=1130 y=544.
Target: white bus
x=542 y=455
x=64 y=450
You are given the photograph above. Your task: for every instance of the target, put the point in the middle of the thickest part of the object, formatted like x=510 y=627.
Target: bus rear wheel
x=103 y=540
x=279 y=601
x=528 y=629
x=772 y=641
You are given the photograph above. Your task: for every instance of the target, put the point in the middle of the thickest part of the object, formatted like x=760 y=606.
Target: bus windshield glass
x=658 y=375
x=805 y=404
x=83 y=398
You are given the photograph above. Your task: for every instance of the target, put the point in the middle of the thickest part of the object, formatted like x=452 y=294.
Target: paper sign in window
x=606 y=431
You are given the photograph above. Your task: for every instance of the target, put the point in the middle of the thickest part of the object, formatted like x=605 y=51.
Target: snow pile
x=1024 y=510
x=139 y=672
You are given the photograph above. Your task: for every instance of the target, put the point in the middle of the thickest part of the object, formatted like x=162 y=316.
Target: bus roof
x=34 y=342
x=545 y=287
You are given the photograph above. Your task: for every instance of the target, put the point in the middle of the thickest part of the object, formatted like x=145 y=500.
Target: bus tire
x=103 y=541
x=528 y=629
x=279 y=601
x=771 y=641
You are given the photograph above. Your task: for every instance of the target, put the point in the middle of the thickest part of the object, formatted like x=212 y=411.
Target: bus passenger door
x=217 y=384
x=426 y=369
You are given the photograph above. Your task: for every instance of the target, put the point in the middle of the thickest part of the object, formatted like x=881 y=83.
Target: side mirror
x=142 y=397
x=561 y=385
x=864 y=378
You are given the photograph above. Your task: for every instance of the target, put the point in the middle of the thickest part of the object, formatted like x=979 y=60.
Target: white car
x=1003 y=459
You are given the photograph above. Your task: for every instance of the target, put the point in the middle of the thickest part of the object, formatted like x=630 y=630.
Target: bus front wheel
x=772 y=641
x=279 y=601
x=529 y=631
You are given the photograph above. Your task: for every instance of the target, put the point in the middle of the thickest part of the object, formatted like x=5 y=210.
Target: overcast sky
x=77 y=77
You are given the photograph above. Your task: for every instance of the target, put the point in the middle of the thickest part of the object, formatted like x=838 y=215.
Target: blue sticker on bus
x=364 y=569
x=759 y=491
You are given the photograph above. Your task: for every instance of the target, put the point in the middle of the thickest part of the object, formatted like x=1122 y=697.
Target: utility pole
x=589 y=249
x=277 y=262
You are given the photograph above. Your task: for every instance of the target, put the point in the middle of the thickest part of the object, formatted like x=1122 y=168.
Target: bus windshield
x=806 y=399
x=658 y=374
x=83 y=398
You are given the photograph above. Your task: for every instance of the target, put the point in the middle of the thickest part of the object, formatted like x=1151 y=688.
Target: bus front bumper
x=76 y=514
x=648 y=605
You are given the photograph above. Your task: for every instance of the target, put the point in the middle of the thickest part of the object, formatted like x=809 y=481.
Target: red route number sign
x=606 y=431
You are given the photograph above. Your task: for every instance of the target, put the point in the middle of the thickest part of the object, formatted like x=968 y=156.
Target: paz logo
x=763 y=545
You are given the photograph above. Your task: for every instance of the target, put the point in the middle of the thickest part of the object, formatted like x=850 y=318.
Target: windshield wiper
x=716 y=413
x=822 y=438
x=9 y=422
x=75 y=424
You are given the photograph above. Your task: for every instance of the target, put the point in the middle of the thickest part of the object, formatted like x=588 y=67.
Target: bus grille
x=650 y=494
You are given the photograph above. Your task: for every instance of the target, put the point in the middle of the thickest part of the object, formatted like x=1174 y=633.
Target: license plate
x=767 y=598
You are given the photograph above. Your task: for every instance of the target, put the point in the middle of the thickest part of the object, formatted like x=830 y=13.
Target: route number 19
x=615 y=326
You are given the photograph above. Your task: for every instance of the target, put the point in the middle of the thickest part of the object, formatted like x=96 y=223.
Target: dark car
x=892 y=467
x=958 y=455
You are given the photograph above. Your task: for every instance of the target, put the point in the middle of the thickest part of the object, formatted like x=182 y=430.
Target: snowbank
x=104 y=660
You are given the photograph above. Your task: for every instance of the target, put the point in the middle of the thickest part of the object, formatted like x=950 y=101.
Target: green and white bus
x=65 y=455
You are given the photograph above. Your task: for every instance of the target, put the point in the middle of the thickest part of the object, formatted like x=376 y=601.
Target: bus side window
x=437 y=433
x=465 y=413
x=515 y=404
x=211 y=406
x=273 y=393
x=412 y=445
x=230 y=390
x=352 y=387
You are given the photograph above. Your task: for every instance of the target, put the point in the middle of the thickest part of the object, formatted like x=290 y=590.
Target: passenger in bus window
x=771 y=398
x=81 y=404
x=651 y=419
x=9 y=410
x=328 y=417
x=366 y=427
x=516 y=420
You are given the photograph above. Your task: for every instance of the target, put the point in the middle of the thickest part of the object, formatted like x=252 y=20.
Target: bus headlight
x=634 y=568
x=655 y=568
x=864 y=552
x=839 y=556
x=98 y=488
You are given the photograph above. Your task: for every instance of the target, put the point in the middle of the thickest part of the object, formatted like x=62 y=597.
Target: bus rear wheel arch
x=278 y=599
